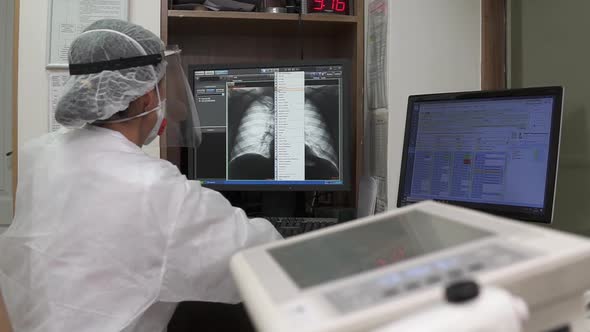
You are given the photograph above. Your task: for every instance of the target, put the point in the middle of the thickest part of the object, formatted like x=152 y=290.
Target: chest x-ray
x=251 y=132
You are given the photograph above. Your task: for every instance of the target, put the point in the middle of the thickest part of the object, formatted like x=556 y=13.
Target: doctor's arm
x=206 y=234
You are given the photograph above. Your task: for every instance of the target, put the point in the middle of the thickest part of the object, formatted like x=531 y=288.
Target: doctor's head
x=117 y=70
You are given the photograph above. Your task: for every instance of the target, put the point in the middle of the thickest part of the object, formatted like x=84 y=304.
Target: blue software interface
x=479 y=151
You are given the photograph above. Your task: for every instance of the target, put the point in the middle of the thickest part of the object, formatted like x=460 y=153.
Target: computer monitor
x=491 y=151
x=273 y=126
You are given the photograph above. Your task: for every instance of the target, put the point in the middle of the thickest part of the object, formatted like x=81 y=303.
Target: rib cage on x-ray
x=251 y=137
x=256 y=130
x=317 y=137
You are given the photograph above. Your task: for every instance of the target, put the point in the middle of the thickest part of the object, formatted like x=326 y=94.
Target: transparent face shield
x=183 y=125
x=176 y=104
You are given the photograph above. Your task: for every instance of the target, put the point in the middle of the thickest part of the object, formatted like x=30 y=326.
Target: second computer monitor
x=273 y=126
x=491 y=151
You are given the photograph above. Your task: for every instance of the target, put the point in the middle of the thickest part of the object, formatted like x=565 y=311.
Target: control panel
x=417 y=277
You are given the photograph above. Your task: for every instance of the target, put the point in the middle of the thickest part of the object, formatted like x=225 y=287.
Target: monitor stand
x=270 y=204
x=283 y=204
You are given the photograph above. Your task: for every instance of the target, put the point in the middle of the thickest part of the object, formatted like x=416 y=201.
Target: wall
x=434 y=46
x=33 y=99
x=549 y=45
x=6 y=39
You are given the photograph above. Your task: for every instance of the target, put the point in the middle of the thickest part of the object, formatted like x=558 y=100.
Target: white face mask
x=159 y=126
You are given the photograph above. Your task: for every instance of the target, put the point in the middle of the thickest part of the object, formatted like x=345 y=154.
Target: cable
x=314 y=200
x=300 y=31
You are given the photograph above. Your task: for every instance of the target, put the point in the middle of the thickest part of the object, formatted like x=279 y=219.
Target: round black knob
x=462 y=291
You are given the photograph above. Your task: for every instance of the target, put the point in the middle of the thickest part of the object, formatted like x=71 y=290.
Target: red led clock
x=329 y=6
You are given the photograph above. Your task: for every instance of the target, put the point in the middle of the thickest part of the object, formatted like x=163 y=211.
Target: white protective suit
x=106 y=238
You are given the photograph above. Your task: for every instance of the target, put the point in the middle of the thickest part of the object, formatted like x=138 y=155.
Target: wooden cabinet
x=238 y=38
x=208 y=37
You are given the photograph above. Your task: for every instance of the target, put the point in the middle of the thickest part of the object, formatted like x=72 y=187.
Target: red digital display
x=328 y=6
x=397 y=255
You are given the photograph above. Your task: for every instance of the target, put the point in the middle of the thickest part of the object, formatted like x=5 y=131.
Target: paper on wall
x=379 y=153
x=57 y=80
x=377 y=54
x=68 y=18
x=377 y=100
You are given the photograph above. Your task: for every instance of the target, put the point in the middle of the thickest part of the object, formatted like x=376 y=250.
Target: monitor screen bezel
x=346 y=126
x=510 y=211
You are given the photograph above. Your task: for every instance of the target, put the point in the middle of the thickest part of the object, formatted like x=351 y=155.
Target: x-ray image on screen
x=251 y=132
x=321 y=129
x=273 y=126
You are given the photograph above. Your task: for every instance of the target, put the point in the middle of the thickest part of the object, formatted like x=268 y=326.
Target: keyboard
x=289 y=226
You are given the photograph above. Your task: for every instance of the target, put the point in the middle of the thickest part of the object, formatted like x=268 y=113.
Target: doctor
x=105 y=237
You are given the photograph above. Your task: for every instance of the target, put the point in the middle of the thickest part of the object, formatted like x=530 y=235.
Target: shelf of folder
x=256 y=16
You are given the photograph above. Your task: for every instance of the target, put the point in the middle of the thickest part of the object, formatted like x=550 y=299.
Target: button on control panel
x=396 y=284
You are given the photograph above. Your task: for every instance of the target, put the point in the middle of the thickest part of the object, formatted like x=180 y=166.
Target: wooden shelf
x=330 y=18
x=209 y=37
x=255 y=16
x=189 y=14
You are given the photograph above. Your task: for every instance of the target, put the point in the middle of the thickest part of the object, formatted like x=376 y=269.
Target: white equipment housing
x=361 y=275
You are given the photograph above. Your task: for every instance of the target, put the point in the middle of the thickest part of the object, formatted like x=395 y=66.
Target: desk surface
x=210 y=317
